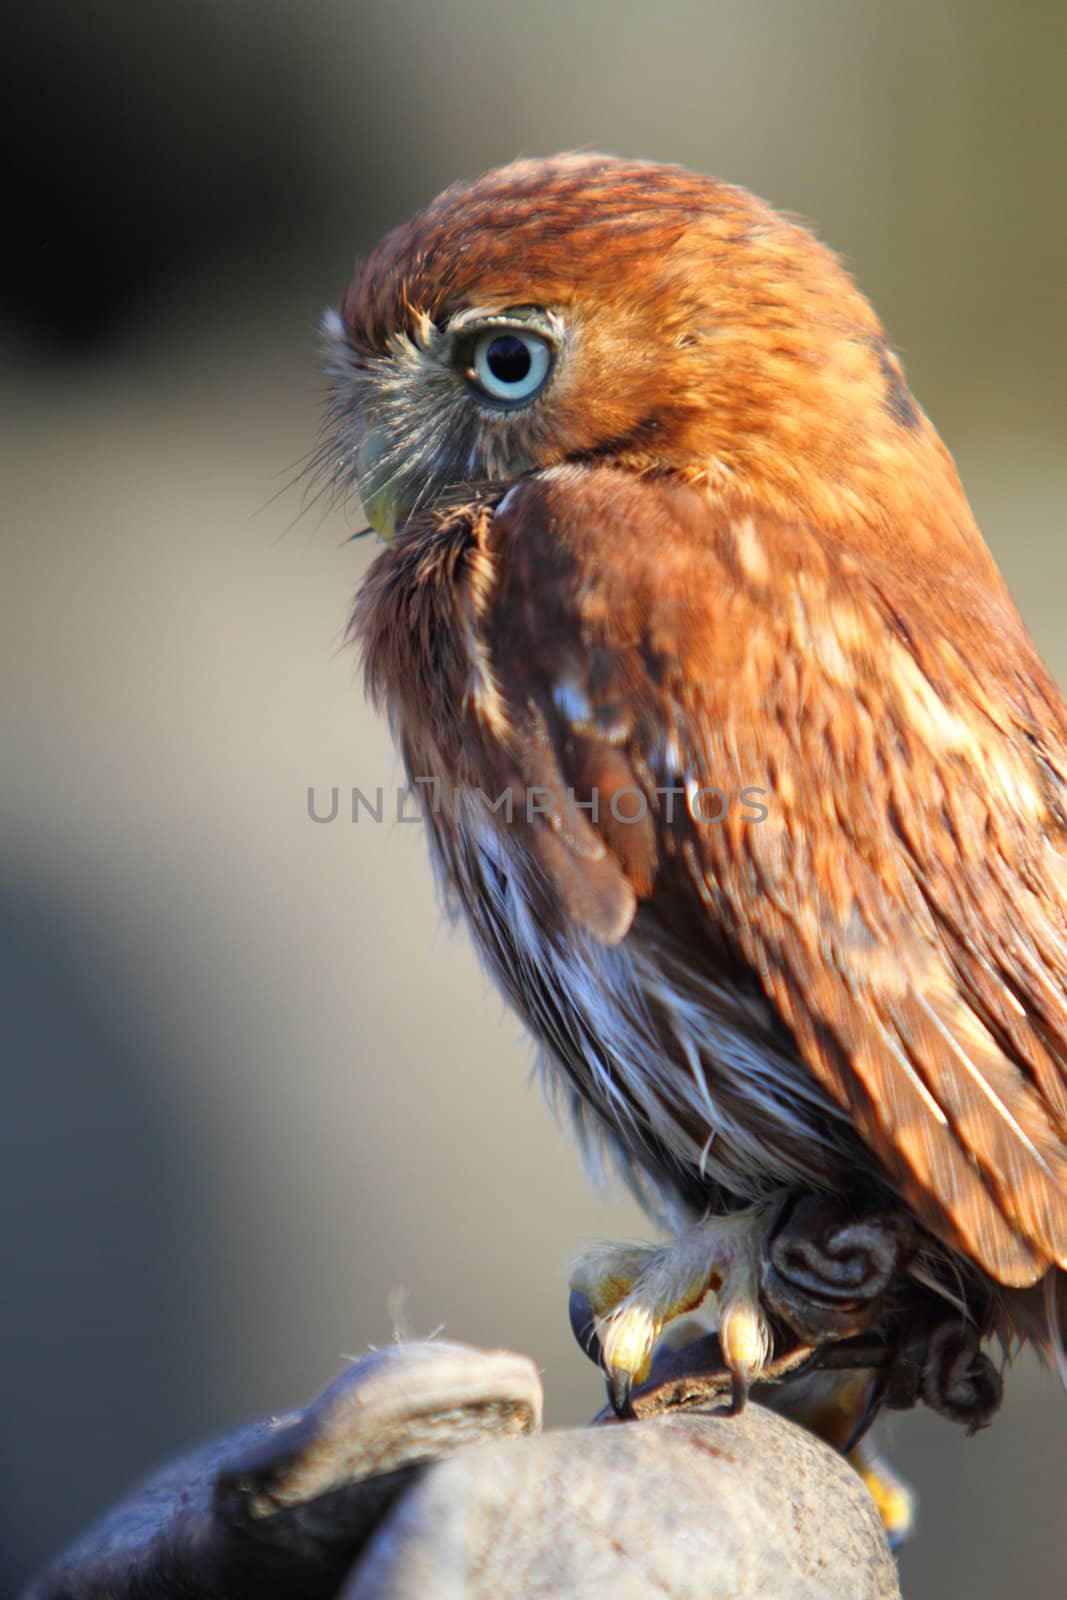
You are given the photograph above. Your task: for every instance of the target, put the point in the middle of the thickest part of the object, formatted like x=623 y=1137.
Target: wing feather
x=904 y=901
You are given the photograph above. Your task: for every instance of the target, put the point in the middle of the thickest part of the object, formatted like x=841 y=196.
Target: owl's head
x=585 y=309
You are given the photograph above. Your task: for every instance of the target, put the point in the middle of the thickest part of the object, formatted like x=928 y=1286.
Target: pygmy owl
x=735 y=752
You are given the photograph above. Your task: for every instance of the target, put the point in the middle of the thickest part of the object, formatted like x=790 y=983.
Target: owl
x=734 y=752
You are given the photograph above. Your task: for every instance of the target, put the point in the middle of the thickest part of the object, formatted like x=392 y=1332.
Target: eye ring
x=509 y=365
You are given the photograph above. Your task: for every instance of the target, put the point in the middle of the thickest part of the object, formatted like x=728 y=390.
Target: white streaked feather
x=983 y=1084
x=710 y=1104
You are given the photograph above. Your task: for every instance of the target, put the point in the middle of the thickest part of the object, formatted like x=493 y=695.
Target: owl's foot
x=634 y=1291
x=823 y=1268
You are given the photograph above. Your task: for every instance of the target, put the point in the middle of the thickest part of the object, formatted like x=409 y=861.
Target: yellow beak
x=382 y=489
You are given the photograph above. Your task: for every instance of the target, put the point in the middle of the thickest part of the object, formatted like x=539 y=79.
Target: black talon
x=583 y=1325
x=869 y=1415
x=620 y=1384
x=738 y=1390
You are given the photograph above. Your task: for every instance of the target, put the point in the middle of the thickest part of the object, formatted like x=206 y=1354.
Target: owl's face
x=592 y=310
x=473 y=400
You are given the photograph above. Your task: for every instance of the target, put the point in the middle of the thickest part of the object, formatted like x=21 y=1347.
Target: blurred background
x=251 y=1091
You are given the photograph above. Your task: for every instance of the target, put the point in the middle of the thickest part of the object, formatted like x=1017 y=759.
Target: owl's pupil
x=508 y=359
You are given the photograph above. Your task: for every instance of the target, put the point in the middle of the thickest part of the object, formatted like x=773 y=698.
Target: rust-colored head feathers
x=667 y=522
x=701 y=333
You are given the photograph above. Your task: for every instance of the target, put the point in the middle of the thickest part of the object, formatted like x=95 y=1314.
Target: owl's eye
x=510 y=365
